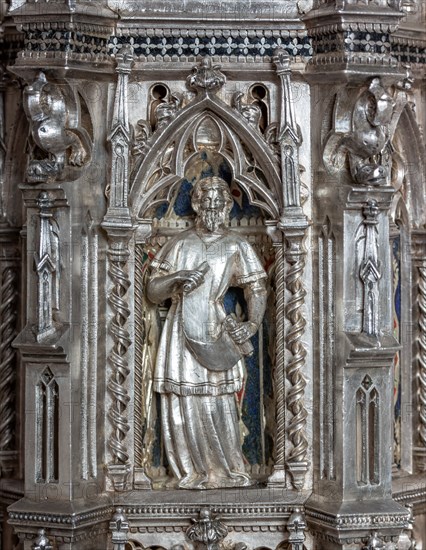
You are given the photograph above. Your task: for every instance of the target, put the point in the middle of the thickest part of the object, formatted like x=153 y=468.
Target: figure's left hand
x=243 y=332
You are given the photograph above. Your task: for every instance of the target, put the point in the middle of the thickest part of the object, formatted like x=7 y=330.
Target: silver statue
x=199 y=365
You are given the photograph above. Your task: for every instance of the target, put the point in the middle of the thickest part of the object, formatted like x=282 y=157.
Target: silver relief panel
x=154 y=172
x=206 y=136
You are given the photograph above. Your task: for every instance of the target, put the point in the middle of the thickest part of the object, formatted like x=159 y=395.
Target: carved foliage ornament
x=207 y=530
x=144 y=131
x=206 y=77
x=373 y=542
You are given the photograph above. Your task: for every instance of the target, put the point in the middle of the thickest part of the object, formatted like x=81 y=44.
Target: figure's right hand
x=188 y=280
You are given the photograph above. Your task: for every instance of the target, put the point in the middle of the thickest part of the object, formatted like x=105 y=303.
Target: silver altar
x=312 y=112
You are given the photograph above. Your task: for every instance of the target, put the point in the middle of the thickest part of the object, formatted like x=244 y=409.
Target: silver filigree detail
x=207 y=530
x=206 y=77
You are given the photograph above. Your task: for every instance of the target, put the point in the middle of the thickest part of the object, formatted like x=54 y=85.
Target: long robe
x=199 y=411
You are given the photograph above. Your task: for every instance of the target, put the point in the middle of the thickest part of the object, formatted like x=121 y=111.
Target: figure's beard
x=212 y=219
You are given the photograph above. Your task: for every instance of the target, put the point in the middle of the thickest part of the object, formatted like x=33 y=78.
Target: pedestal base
x=339 y=525
x=255 y=516
x=76 y=525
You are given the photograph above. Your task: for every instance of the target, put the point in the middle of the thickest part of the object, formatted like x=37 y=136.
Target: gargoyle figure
x=52 y=131
x=371 y=118
x=367 y=143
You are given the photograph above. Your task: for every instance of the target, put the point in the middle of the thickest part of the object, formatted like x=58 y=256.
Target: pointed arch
x=399 y=213
x=140 y=196
x=408 y=136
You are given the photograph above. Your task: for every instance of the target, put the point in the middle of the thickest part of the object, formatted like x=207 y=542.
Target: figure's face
x=212 y=199
x=212 y=209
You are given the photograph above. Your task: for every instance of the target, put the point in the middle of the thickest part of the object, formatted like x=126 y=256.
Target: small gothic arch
x=141 y=196
x=159 y=94
x=408 y=142
x=400 y=249
x=259 y=93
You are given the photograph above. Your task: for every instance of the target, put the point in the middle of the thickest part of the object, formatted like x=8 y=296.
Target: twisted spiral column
x=422 y=355
x=278 y=474
x=142 y=388
x=139 y=337
x=8 y=309
x=296 y=429
x=120 y=370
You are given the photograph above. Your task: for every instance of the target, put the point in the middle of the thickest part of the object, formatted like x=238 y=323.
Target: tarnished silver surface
x=312 y=114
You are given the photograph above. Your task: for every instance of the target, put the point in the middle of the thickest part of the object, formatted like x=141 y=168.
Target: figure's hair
x=212 y=182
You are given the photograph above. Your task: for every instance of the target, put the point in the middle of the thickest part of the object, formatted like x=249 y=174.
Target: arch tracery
x=143 y=193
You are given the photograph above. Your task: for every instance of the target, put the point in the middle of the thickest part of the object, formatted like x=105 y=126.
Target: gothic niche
x=206 y=151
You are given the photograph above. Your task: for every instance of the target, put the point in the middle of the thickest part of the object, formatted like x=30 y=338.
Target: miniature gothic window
x=47 y=423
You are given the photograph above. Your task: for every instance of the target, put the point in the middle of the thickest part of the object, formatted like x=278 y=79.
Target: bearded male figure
x=200 y=364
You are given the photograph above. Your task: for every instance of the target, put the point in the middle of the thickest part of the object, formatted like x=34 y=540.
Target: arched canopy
x=142 y=195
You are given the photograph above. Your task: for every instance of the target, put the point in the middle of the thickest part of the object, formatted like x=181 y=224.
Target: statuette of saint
x=200 y=360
